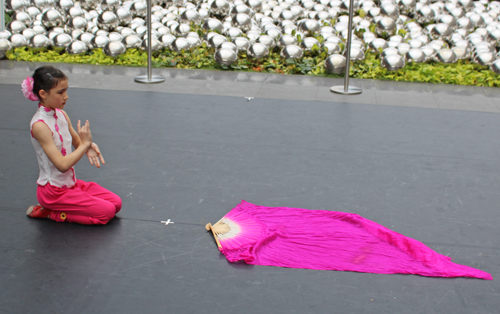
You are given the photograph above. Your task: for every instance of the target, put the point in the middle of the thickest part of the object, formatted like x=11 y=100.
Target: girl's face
x=56 y=97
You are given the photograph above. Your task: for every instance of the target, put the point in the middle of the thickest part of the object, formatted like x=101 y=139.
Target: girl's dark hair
x=46 y=78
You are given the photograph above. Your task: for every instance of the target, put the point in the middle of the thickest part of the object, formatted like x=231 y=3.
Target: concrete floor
x=423 y=160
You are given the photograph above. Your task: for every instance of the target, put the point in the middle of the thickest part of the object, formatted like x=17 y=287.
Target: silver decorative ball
x=220 y=7
x=22 y=17
x=86 y=38
x=292 y=52
x=425 y=14
x=133 y=41
x=258 y=50
x=138 y=9
x=241 y=43
x=62 y=40
x=446 y=56
x=39 y=41
x=242 y=21
x=114 y=49
x=109 y=4
x=99 y=41
x=180 y=44
x=212 y=24
x=216 y=40
x=389 y=51
x=5 y=34
x=386 y=25
x=335 y=64
x=331 y=48
x=107 y=20
x=415 y=55
x=52 y=18
x=485 y=58
x=15 y=27
x=77 y=23
x=114 y=36
x=356 y=54
x=441 y=31
x=309 y=42
x=308 y=26
x=461 y=52
x=495 y=66
x=15 y=5
x=267 y=40
x=287 y=40
x=155 y=44
x=225 y=56
x=18 y=40
x=182 y=29
x=377 y=44
x=393 y=62
x=190 y=15
x=124 y=15
x=89 y=4
x=5 y=45
x=77 y=47
x=390 y=10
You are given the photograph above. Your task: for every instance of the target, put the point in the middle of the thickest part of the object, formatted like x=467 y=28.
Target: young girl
x=61 y=195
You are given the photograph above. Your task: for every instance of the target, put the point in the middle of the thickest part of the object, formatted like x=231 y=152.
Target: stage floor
x=420 y=159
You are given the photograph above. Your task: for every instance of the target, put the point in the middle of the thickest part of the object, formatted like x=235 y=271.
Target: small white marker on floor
x=167 y=222
x=249 y=98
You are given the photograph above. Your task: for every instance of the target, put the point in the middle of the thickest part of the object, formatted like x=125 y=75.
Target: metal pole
x=2 y=16
x=347 y=90
x=149 y=79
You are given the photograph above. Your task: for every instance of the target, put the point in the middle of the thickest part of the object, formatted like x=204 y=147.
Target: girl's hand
x=94 y=154
x=84 y=133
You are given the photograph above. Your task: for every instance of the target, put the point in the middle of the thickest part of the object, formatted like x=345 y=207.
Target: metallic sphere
x=39 y=41
x=393 y=62
x=377 y=44
x=286 y=40
x=461 y=52
x=77 y=47
x=182 y=29
x=109 y=4
x=241 y=43
x=258 y=50
x=356 y=54
x=292 y=52
x=190 y=15
x=415 y=55
x=446 y=56
x=267 y=40
x=99 y=41
x=242 y=21
x=216 y=40
x=132 y=41
x=138 y=9
x=107 y=20
x=22 y=17
x=114 y=48
x=5 y=34
x=86 y=38
x=225 y=56
x=485 y=58
x=389 y=10
x=220 y=7
x=309 y=42
x=52 y=18
x=441 y=31
x=495 y=66
x=335 y=64
x=62 y=40
x=386 y=25
x=18 y=40
x=89 y=4
x=233 y=32
x=114 y=36
x=309 y=26
x=5 y=45
x=15 y=5
x=77 y=23
x=331 y=48
x=389 y=51
x=212 y=24
x=124 y=15
x=180 y=44
x=155 y=44
x=228 y=45
x=15 y=27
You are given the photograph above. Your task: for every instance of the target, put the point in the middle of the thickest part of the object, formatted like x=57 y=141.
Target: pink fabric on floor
x=328 y=240
x=85 y=203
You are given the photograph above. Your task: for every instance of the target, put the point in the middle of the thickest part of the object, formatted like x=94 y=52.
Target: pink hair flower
x=27 y=87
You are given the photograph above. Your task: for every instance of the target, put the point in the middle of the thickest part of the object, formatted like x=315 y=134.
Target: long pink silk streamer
x=329 y=240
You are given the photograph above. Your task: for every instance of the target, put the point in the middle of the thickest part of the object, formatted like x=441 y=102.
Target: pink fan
x=328 y=240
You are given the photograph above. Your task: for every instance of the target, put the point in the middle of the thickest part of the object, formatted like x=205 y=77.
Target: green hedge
x=312 y=63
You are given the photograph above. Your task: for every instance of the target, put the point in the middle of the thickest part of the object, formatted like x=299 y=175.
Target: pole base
x=351 y=90
x=145 y=80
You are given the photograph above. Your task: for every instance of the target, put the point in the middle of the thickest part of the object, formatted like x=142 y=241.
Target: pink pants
x=85 y=203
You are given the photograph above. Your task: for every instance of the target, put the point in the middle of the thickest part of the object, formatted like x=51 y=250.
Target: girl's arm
x=43 y=135
x=93 y=153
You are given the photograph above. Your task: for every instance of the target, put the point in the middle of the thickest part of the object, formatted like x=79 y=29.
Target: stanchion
x=150 y=78
x=346 y=89
x=2 y=16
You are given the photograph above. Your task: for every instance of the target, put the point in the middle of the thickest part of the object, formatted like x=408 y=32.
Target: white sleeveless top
x=57 y=123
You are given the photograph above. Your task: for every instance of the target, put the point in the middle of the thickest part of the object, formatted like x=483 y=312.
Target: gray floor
x=423 y=160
